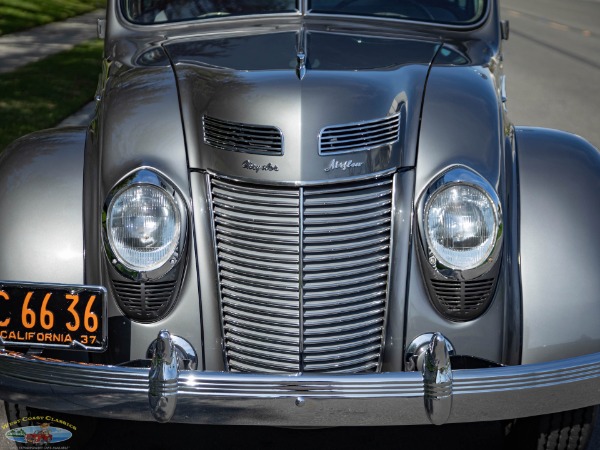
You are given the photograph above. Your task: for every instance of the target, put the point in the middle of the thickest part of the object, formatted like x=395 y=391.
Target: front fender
x=559 y=178
x=41 y=236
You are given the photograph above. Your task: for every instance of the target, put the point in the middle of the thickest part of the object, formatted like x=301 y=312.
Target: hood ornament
x=301 y=65
x=301 y=54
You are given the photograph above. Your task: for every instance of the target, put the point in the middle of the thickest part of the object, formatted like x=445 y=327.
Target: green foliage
x=18 y=15
x=41 y=94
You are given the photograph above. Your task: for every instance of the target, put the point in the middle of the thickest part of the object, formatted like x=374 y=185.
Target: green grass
x=16 y=15
x=41 y=94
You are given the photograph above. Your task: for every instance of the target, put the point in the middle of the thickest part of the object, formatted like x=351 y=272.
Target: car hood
x=302 y=106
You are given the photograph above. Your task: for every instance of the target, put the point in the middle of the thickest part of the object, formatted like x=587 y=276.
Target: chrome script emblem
x=258 y=167
x=342 y=165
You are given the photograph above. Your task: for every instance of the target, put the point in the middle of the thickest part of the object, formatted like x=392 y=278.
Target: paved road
x=552 y=63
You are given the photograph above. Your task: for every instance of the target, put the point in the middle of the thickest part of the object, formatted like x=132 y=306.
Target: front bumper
x=436 y=395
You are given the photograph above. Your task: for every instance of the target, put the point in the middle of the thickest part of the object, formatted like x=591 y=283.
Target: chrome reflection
x=437 y=380
x=415 y=352
x=123 y=392
x=162 y=379
x=186 y=355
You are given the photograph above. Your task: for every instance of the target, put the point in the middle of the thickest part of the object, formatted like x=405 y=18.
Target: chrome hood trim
x=253 y=80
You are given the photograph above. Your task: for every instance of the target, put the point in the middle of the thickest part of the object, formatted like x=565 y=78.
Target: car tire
x=82 y=427
x=567 y=430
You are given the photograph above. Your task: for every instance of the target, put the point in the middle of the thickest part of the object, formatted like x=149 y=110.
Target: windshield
x=458 y=12
x=157 y=11
x=442 y=11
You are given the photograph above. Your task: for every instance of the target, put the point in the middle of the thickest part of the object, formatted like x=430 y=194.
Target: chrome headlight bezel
x=146 y=177
x=460 y=176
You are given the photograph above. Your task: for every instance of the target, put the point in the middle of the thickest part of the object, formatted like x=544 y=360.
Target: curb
x=80 y=118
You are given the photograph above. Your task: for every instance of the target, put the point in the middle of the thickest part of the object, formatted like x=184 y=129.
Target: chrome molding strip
x=399 y=398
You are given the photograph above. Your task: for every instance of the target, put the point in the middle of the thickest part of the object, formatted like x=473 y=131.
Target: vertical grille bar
x=303 y=274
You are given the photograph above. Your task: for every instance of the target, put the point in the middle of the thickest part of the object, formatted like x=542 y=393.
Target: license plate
x=53 y=316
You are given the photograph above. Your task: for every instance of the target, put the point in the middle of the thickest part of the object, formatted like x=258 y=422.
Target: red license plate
x=53 y=316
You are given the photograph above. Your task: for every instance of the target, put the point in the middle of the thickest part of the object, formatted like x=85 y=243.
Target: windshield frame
x=304 y=11
x=122 y=12
x=446 y=25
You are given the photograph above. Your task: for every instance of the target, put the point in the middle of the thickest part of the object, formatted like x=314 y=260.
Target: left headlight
x=144 y=226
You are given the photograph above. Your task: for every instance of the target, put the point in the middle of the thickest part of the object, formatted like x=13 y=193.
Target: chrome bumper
x=436 y=395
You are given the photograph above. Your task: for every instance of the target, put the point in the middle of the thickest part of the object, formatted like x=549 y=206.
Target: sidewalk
x=24 y=47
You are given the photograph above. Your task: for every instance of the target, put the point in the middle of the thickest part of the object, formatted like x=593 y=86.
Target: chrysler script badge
x=342 y=165
x=258 y=167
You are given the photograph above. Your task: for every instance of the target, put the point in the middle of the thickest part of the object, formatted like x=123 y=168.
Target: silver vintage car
x=303 y=213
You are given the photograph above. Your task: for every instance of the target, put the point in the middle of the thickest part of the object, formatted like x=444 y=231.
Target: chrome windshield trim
x=447 y=26
x=125 y=21
x=303 y=11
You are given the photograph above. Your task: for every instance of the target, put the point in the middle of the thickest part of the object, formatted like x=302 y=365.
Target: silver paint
x=41 y=232
x=559 y=184
x=158 y=83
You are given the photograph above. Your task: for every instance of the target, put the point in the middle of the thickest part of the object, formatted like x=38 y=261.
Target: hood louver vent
x=241 y=137
x=359 y=136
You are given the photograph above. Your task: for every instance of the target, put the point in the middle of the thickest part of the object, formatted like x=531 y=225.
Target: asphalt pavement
x=552 y=65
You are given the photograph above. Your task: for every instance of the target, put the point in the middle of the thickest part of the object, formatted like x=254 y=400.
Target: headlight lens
x=461 y=226
x=143 y=227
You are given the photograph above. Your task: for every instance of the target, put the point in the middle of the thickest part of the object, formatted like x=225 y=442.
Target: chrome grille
x=359 y=136
x=241 y=137
x=315 y=307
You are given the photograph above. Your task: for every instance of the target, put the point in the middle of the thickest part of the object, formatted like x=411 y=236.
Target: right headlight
x=461 y=223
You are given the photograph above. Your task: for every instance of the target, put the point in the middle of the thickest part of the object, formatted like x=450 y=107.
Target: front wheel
x=568 y=430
